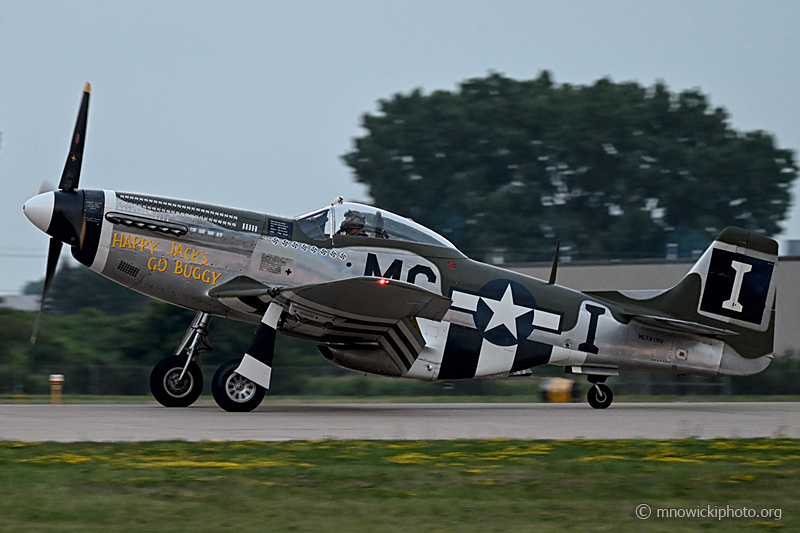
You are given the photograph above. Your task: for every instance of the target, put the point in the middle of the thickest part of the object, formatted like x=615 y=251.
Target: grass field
x=497 y=485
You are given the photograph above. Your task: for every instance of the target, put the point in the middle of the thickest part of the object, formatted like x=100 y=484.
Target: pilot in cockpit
x=353 y=224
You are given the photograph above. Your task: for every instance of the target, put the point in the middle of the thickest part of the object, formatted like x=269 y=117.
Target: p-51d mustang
x=384 y=295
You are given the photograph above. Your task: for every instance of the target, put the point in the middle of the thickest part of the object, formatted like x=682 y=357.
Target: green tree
x=76 y=288
x=612 y=169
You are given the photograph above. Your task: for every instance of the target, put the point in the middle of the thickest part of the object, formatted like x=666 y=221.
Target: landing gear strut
x=177 y=381
x=600 y=395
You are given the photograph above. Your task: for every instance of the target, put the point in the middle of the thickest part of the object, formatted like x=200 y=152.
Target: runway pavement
x=144 y=422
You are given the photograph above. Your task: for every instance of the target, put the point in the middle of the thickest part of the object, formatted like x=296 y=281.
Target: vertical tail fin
x=737 y=275
x=732 y=286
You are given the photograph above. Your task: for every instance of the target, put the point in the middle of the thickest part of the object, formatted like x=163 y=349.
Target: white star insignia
x=505 y=312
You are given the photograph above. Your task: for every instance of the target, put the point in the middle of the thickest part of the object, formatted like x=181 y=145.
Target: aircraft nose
x=39 y=210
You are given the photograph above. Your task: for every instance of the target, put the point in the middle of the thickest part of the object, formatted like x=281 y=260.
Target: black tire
x=233 y=392
x=600 y=396
x=166 y=388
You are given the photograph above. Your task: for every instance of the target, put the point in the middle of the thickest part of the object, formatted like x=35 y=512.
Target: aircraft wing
x=360 y=314
x=365 y=298
x=241 y=287
x=369 y=298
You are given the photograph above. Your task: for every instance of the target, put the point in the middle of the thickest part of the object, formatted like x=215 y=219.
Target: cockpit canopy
x=366 y=221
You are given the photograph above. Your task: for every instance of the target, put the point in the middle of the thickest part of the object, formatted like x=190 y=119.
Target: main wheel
x=600 y=396
x=233 y=392
x=168 y=389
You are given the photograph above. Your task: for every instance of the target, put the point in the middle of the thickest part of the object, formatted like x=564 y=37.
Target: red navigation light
x=383 y=281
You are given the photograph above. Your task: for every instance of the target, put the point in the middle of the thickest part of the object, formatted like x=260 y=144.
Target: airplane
x=384 y=295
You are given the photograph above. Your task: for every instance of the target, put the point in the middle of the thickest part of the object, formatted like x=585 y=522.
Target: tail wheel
x=233 y=392
x=600 y=396
x=167 y=387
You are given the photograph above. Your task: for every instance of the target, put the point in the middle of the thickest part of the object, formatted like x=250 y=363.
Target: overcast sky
x=251 y=104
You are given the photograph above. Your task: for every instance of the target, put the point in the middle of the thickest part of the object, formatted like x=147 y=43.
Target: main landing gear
x=600 y=395
x=234 y=392
x=177 y=380
x=239 y=385
x=174 y=384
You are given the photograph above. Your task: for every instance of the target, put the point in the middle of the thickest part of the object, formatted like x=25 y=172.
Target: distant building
x=20 y=302
x=791 y=247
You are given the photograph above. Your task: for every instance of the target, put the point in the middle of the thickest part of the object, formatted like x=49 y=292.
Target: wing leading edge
x=366 y=318
x=367 y=298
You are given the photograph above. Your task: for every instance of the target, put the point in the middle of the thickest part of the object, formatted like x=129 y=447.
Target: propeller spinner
x=60 y=213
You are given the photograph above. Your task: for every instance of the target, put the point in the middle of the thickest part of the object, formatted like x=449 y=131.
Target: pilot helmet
x=353 y=219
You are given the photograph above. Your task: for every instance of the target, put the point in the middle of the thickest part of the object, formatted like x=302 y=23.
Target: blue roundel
x=505 y=312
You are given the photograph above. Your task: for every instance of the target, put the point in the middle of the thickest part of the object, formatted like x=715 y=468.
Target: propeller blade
x=52 y=262
x=45 y=186
x=72 y=168
x=41 y=211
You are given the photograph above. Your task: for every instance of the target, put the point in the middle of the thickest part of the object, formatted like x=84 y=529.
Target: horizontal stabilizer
x=682 y=326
